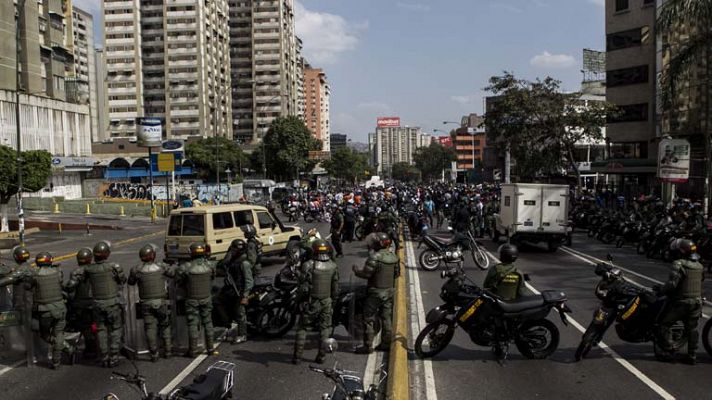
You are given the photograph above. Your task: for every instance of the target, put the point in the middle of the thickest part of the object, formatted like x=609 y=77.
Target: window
x=625 y=39
x=507 y=201
x=58 y=83
x=621 y=5
x=222 y=220
x=265 y=220
x=175 y=225
x=634 y=150
x=187 y=225
x=646 y=2
x=631 y=113
x=627 y=76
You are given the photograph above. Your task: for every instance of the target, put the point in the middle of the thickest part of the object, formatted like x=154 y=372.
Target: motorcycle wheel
x=619 y=242
x=439 y=335
x=590 y=338
x=276 y=320
x=608 y=237
x=537 y=340
x=480 y=258
x=706 y=331
x=429 y=260
x=641 y=248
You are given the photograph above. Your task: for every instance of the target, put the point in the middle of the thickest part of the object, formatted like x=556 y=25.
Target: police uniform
x=505 y=281
x=82 y=306
x=197 y=276
x=337 y=228
x=151 y=280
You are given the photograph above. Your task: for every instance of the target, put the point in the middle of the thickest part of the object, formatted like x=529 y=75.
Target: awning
x=125 y=173
x=625 y=166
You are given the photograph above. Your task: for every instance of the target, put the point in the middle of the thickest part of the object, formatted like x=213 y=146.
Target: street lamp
x=229 y=175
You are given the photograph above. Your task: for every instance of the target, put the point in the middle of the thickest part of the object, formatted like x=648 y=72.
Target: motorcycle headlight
x=456 y=255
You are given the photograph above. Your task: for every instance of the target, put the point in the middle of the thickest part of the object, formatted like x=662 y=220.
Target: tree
x=404 y=172
x=539 y=124
x=287 y=143
x=432 y=160
x=36 y=169
x=347 y=164
x=229 y=154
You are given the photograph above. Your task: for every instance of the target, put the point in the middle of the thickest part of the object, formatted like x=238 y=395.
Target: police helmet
x=686 y=247
x=198 y=249
x=239 y=245
x=20 y=254
x=44 y=259
x=84 y=256
x=249 y=231
x=384 y=241
x=321 y=250
x=508 y=253
x=147 y=253
x=102 y=250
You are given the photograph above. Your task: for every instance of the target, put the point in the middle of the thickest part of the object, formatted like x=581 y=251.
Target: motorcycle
x=635 y=310
x=215 y=384
x=348 y=310
x=491 y=321
x=450 y=251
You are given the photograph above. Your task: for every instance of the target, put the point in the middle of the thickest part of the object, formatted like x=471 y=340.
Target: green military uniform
x=381 y=270
x=372 y=241
x=82 y=304
x=254 y=256
x=684 y=289
x=151 y=280
x=49 y=313
x=197 y=276
x=318 y=286
x=337 y=229
x=240 y=272
x=505 y=281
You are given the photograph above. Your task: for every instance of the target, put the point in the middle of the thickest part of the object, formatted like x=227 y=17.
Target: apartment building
x=82 y=81
x=266 y=62
x=102 y=121
x=168 y=59
x=316 y=110
x=470 y=141
x=392 y=143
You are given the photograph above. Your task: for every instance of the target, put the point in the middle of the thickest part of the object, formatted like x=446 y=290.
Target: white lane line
x=374 y=361
x=7 y=368
x=186 y=371
x=417 y=323
x=617 y=357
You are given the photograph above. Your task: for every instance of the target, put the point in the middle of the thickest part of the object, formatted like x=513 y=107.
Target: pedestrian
x=151 y=278
x=429 y=208
x=504 y=279
x=380 y=269
x=350 y=214
x=82 y=307
x=48 y=308
x=318 y=286
x=197 y=276
x=684 y=292
x=238 y=284
x=337 y=229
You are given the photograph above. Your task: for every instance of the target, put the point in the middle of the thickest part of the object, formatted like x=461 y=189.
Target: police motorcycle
x=450 y=251
x=215 y=383
x=348 y=385
x=491 y=321
x=635 y=310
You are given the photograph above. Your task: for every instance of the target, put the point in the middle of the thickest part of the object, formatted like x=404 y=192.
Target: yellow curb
x=15 y=234
x=398 y=387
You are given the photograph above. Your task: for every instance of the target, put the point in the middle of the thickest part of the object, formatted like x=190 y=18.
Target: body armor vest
x=508 y=286
x=83 y=291
x=49 y=288
x=384 y=277
x=690 y=287
x=151 y=283
x=199 y=282
x=322 y=274
x=103 y=284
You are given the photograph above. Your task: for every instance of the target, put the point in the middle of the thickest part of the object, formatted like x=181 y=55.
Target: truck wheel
x=552 y=246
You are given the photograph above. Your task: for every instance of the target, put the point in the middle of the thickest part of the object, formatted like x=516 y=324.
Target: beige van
x=218 y=226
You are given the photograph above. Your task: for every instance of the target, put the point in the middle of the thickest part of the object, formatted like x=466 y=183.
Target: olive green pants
x=378 y=305
x=689 y=313
x=157 y=320
x=109 y=324
x=51 y=329
x=318 y=313
x=199 y=313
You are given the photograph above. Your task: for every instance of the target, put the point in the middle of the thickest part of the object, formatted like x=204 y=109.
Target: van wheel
x=292 y=246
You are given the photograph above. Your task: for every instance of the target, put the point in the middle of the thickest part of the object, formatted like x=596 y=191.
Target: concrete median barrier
x=398 y=386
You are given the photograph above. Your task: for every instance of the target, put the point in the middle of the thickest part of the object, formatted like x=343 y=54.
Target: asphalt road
x=263 y=367
x=465 y=370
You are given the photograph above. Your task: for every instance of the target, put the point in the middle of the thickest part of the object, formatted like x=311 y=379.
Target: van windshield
x=187 y=225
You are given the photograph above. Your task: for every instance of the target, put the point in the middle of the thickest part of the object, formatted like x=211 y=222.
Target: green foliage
x=433 y=159
x=229 y=154
x=348 y=165
x=287 y=144
x=36 y=169
x=404 y=172
x=540 y=124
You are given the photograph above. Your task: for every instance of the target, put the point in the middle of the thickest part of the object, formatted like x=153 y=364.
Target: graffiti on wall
x=131 y=191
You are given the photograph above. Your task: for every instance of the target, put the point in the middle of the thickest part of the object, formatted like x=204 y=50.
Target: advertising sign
x=64 y=162
x=674 y=160
x=388 y=122
x=149 y=132
x=166 y=162
x=444 y=141
x=172 y=146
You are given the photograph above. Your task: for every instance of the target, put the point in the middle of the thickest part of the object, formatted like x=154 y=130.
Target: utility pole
x=20 y=211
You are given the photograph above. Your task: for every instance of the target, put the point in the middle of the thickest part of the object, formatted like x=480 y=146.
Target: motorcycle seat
x=521 y=304
x=207 y=386
x=262 y=281
x=446 y=240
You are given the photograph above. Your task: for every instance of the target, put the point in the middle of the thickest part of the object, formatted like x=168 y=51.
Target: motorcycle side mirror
x=330 y=345
x=527 y=278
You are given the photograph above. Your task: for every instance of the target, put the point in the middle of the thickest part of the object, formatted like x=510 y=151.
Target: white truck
x=533 y=213
x=374 y=182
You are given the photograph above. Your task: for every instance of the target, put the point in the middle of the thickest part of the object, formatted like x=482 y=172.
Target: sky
x=428 y=61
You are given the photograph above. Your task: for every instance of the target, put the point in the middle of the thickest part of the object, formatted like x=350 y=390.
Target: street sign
x=166 y=162
x=172 y=146
x=674 y=160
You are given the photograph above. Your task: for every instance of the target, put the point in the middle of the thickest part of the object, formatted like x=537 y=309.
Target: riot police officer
x=381 y=269
x=82 y=305
x=238 y=284
x=318 y=286
x=49 y=312
x=150 y=277
x=13 y=297
x=684 y=291
x=504 y=280
x=105 y=279
x=254 y=248
x=20 y=254
x=197 y=276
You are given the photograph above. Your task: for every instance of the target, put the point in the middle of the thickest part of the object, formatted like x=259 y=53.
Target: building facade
x=470 y=141
x=83 y=84
x=394 y=144
x=337 y=141
x=316 y=115
x=102 y=120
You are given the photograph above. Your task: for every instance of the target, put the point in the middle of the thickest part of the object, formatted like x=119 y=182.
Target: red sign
x=388 y=122
x=444 y=140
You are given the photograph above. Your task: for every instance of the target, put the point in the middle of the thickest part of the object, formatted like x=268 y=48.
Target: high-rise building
x=81 y=83
x=102 y=121
x=392 y=143
x=337 y=141
x=470 y=141
x=316 y=110
x=168 y=59
x=265 y=60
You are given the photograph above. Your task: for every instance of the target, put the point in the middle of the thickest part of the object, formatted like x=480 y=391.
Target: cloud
x=552 y=61
x=464 y=100
x=413 y=6
x=506 y=7
x=600 y=3
x=326 y=36
x=374 y=106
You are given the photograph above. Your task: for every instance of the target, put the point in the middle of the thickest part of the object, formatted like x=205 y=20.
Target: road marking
x=9 y=368
x=374 y=361
x=417 y=321
x=185 y=372
x=115 y=245
x=617 y=357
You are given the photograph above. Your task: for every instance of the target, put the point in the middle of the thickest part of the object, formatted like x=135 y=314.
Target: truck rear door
x=554 y=211
x=528 y=208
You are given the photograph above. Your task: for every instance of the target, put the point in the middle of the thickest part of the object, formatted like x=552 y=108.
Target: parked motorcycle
x=450 y=251
x=491 y=321
x=635 y=310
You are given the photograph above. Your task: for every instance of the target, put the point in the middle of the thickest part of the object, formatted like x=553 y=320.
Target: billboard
x=388 y=122
x=674 y=160
x=149 y=131
x=444 y=140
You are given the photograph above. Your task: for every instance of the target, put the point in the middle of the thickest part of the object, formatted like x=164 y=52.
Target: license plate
x=528 y=223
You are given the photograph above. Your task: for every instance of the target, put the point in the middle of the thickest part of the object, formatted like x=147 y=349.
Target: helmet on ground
x=508 y=253
x=147 y=253
x=686 y=247
x=321 y=250
x=102 y=250
x=249 y=231
x=198 y=249
x=20 y=254
x=44 y=259
x=239 y=245
x=84 y=256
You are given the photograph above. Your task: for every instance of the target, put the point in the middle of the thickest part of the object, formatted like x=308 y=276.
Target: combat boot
x=363 y=350
x=383 y=347
x=192 y=349
x=154 y=355
x=320 y=358
x=297 y=358
x=210 y=349
x=689 y=360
